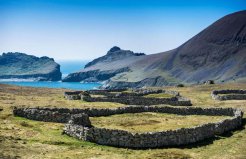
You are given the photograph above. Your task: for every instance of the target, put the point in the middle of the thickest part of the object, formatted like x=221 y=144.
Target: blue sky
x=86 y=29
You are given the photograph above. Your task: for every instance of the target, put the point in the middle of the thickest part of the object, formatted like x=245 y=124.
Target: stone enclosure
x=78 y=125
x=229 y=94
x=135 y=97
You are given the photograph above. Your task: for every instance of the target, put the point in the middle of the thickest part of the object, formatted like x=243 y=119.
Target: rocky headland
x=15 y=65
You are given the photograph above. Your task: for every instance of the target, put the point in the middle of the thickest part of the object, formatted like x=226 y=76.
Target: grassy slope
x=33 y=139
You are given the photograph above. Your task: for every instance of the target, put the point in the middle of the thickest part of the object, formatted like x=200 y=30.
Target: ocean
x=66 y=68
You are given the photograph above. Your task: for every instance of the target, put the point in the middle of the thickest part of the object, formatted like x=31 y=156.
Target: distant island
x=217 y=53
x=15 y=65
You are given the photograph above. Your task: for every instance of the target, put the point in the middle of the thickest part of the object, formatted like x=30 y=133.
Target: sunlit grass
x=34 y=139
x=152 y=122
x=159 y=95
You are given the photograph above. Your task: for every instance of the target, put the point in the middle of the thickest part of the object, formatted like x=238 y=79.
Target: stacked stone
x=44 y=114
x=229 y=94
x=183 y=136
x=73 y=95
x=79 y=126
x=137 y=98
x=141 y=100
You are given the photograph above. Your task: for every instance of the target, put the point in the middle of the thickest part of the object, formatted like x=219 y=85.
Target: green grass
x=35 y=139
x=152 y=122
x=97 y=96
x=159 y=95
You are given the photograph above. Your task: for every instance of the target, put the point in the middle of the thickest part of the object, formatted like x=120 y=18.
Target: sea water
x=66 y=68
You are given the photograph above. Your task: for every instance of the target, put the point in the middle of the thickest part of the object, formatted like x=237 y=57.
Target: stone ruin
x=135 y=97
x=79 y=126
x=229 y=94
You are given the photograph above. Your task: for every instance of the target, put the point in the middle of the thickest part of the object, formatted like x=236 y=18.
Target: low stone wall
x=76 y=95
x=79 y=126
x=142 y=92
x=116 y=93
x=229 y=94
x=62 y=115
x=175 y=101
x=183 y=136
x=136 y=97
x=44 y=114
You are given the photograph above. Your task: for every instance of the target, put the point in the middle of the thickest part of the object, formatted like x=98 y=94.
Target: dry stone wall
x=183 y=136
x=175 y=101
x=136 y=97
x=73 y=95
x=44 y=114
x=229 y=94
x=79 y=126
x=76 y=95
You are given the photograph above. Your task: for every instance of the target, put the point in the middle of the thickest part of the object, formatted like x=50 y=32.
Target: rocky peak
x=113 y=49
x=115 y=53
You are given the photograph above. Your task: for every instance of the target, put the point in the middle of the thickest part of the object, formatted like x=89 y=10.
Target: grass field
x=159 y=95
x=23 y=138
x=153 y=122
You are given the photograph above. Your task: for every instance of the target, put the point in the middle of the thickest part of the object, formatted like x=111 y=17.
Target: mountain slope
x=23 y=66
x=217 y=53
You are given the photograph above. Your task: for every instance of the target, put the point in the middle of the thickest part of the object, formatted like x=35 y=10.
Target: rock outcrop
x=217 y=53
x=23 y=66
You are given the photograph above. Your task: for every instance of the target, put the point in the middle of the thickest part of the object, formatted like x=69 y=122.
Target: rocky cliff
x=217 y=53
x=23 y=66
x=116 y=61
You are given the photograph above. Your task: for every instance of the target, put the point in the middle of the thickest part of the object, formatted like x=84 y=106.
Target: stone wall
x=143 y=92
x=62 y=115
x=183 y=136
x=44 y=114
x=79 y=126
x=136 y=97
x=140 y=100
x=76 y=95
x=229 y=94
